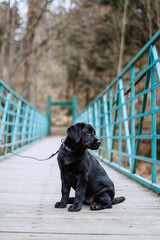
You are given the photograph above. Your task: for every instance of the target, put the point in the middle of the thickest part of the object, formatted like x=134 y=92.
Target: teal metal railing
x=126 y=116
x=20 y=123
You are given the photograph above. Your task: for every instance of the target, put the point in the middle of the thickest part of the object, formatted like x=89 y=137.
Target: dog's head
x=83 y=135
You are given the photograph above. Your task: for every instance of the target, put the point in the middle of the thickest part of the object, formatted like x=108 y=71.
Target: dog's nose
x=99 y=142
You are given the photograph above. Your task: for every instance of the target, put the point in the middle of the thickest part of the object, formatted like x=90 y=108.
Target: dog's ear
x=74 y=131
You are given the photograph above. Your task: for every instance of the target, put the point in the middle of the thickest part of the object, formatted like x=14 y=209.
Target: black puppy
x=81 y=171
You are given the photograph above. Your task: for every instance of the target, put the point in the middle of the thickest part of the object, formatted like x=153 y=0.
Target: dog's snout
x=97 y=141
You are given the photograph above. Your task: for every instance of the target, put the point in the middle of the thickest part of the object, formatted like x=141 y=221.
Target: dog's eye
x=88 y=133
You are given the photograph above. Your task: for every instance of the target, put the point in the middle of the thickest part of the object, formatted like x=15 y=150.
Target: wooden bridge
x=29 y=190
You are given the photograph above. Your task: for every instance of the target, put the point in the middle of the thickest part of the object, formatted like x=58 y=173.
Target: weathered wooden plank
x=81 y=226
x=29 y=190
x=45 y=236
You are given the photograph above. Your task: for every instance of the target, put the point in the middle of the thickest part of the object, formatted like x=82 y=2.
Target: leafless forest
x=67 y=47
x=72 y=47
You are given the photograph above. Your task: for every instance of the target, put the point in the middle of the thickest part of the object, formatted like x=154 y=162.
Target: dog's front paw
x=60 y=205
x=74 y=208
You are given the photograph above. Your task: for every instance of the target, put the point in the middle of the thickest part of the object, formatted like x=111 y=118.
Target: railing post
x=91 y=115
x=119 y=128
x=106 y=118
x=155 y=57
x=133 y=169
x=126 y=124
x=153 y=125
x=16 y=126
x=74 y=108
x=24 y=128
x=49 y=102
x=30 y=128
x=143 y=108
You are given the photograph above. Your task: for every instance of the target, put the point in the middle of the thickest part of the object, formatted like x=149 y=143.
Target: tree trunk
x=4 y=46
x=149 y=18
x=124 y=21
x=28 y=49
x=36 y=10
x=12 y=50
x=158 y=13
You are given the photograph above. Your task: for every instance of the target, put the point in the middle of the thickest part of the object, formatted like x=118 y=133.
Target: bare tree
x=158 y=12
x=124 y=21
x=4 y=72
x=12 y=45
x=36 y=10
x=149 y=18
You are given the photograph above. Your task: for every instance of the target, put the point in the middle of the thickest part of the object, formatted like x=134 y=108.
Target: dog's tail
x=118 y=200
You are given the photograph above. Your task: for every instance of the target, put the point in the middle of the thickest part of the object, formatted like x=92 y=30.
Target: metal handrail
x=20 y=123
x=119 y=124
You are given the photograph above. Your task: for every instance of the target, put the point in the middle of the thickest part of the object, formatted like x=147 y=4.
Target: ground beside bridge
x=29 y=190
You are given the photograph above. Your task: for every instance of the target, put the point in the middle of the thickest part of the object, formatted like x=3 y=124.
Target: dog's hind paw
x=97 y=206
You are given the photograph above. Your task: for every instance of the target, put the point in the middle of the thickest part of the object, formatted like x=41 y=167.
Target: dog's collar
x=67 y=148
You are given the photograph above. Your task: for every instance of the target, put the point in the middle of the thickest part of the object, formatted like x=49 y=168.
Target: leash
x=38 y=159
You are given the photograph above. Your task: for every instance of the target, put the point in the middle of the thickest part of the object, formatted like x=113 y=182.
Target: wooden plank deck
x=29 y=190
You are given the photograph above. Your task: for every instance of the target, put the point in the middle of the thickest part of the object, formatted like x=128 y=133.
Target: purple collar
x=67 y=148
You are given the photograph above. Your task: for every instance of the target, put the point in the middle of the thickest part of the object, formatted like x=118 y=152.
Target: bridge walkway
x=29 y=190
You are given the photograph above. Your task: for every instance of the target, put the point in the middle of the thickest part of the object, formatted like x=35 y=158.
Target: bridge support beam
x=50 y=103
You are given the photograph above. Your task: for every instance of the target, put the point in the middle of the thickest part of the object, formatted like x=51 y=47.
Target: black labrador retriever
x=81 y=171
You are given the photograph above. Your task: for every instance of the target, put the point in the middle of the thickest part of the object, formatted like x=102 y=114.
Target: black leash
x=38 y=159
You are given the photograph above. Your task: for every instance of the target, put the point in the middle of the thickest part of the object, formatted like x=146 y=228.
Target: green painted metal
x=50 y=103
x=74 y=105
x=61 y=104
x=119 y=131
x=20 y=123
x=121 y=125
x=126 y=123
